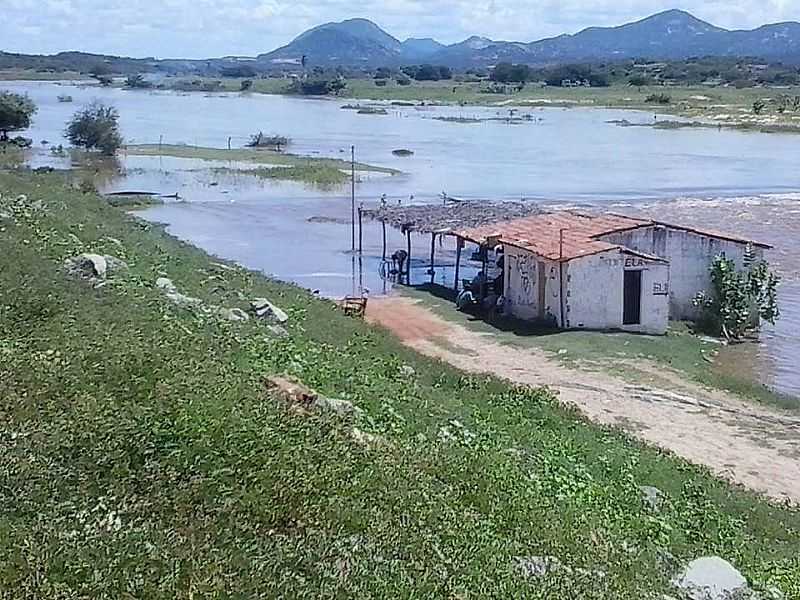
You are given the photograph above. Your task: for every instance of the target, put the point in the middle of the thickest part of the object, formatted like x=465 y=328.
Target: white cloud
x=203 y=28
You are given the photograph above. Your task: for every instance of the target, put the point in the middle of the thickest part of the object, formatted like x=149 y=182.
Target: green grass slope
x=143 y=458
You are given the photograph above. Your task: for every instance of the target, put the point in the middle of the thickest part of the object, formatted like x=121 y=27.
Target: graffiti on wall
x=525 y=267
x=660 y=288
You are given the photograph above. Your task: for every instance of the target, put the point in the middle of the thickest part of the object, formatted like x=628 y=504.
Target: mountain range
x=673 y=34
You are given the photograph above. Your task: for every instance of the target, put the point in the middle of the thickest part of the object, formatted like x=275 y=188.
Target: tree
x=637 y=81
x=137 y=82
x=95 y=127
x=246 y=85
x=317 y=87
x=739 y=298
x=16 y=111
x=507 y=73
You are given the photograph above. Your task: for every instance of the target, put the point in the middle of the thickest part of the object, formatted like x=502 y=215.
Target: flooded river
x=742 y=182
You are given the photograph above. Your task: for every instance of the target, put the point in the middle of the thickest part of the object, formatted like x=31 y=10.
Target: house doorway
x=632 y=298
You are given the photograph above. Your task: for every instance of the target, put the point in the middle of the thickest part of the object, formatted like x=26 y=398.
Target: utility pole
x=353 y=196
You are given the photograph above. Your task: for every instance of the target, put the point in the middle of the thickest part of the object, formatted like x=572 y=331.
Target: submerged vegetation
x=323 y=172
x=143 y=455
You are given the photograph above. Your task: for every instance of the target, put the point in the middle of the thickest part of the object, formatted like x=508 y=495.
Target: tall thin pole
x=561 y=277
x=353 y=196
x=360 y=231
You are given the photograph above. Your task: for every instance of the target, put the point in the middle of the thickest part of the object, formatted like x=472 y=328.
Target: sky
x=212 y=28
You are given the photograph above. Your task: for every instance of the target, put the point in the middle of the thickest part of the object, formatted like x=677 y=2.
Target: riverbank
x=144 y=456
x=715 y=106
x=679 y=361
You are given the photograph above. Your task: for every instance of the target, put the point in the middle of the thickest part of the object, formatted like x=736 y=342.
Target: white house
x=604 y=271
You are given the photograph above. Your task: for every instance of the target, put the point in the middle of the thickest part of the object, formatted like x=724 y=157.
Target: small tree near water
x=739 y=297
x=95 y=127
x=16 y=111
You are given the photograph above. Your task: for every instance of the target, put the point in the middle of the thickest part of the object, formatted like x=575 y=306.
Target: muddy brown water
x=742 y=182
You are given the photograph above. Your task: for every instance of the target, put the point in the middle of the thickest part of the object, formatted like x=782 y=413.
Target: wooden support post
x=408 y=258
x=561 y=277
x=433 y=257
x=360 y=231
x=383 y=226
x=459 y=246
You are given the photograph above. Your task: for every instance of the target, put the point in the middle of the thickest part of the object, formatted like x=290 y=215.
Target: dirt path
x=746 y=443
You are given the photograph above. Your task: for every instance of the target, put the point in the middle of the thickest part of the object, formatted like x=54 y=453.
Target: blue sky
x=208 y=28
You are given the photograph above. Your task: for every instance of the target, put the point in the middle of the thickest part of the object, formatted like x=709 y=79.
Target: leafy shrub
x=137 y=82
x=95 y=127
x=317 y=87
x=246 y=85
x=380 y=82
x=739 y=297
x=660 y=98
x=259 y=140
x=403 y=80
x=16 y=112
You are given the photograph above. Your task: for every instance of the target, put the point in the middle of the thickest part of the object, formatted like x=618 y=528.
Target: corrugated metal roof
x=542 y=234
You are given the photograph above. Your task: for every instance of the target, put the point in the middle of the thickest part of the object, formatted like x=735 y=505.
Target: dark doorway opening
x=632 y=298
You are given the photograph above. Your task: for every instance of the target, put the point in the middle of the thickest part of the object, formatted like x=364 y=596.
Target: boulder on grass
x=263 y=308
x=711 y=578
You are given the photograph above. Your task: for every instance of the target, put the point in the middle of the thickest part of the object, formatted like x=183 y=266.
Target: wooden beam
x=432 y=271
x=383 y=226
x=459 y=246
x=408 y=258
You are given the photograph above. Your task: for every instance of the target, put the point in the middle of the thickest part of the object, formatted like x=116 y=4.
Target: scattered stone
x=87 y=266
x=365 y=438
x=711 y=578
x=277 y=331
x=562 y=351
x=233 y=314
x=114 y=264
x=169 y=289
x=652 y=497
x=538 y=566
x=343 y=408
x=165 y=284
x=263 y=308
x=407 y=371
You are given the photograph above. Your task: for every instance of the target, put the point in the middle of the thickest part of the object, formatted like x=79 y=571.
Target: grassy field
x=324 y=172
x=143 y=458
x=29 y=75
x=619 y=353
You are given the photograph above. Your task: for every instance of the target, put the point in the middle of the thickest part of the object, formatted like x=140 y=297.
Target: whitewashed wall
x=690 y=255
x=595 y=290
x=522 y=286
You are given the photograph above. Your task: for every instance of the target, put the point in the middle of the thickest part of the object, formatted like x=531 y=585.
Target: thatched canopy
x=430 y=218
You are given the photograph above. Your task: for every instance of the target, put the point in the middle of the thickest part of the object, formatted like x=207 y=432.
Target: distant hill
x=673 y=34
x=669 y=35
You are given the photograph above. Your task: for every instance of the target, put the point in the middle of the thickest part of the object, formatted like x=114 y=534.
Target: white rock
x=407 y=371
x=264 y=308
x=233 y=314
x=710 y=578
x=538 y=566
x=165 y=284
x=340 y=407
x=87 y=266
x=652 y=497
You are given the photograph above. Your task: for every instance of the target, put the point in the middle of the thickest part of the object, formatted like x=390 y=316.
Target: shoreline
x=724 y=108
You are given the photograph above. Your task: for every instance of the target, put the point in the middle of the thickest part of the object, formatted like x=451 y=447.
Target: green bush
x=95 y=127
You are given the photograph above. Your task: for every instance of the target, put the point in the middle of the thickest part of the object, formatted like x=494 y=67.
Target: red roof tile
x=541 y=234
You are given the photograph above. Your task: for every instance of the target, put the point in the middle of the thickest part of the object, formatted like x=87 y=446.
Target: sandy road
x=746 y=443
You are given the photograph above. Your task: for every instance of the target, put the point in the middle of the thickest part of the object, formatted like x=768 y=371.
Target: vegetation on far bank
x=144 y=457
x=277 y=165
x=697 y=358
